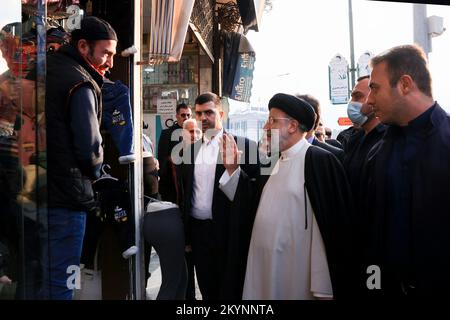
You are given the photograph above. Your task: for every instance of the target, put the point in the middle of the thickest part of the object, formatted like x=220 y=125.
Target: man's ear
x=406 y=84
x=83 y=47
x=221 y=115
x=293 y=126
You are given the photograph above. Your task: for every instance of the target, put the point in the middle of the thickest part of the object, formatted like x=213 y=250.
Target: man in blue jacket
x=74 y=153
x=406 y=181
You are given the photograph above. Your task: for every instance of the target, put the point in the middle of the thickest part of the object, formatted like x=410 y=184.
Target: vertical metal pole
x=137 y=175
x=41 y=180
x=421 y=36
x=352 y=46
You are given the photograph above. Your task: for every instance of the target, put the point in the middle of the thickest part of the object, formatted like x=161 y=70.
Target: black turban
x=296 y=108
x=93 y=28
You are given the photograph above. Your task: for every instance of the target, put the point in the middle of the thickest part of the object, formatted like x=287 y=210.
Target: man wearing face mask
x=74 y=152
x=361 y=114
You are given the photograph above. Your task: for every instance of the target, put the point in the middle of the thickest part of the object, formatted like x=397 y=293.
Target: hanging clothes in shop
x=114 y=206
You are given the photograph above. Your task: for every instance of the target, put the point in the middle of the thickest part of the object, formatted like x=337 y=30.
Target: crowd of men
x=289 y=217
x=365 y=216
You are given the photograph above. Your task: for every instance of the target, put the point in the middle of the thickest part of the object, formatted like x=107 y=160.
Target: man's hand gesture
x=230 y=153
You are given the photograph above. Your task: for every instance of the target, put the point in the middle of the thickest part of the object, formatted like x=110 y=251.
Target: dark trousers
x=205 y=258
x=164 y=231
x=190 y=290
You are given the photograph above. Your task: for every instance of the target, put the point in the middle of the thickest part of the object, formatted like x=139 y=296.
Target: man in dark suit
x=311 y=137
x=217 y=228
x=167 y=188
x=329 y=140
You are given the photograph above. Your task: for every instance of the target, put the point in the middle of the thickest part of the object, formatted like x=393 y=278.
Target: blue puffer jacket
x=117 y=119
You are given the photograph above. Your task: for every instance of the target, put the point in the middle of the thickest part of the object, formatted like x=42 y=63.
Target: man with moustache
x=301 y=243
x=360 y=113
x=169 y=138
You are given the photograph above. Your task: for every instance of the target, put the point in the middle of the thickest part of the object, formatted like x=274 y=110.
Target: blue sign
x=242 y=83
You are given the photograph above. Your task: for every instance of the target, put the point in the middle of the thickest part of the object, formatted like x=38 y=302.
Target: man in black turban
x=301 y=245
x=74 y=152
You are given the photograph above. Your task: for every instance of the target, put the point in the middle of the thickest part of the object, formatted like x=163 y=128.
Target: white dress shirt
x=204 y=176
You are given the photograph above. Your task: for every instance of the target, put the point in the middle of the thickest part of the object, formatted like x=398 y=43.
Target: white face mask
x=354 y=113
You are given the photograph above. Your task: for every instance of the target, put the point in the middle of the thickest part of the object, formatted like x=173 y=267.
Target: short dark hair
x=406 y=59
x=315 y=104
x=181 y=106
x=209 y=97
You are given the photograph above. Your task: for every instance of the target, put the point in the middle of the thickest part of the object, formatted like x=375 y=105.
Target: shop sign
x=242 y=84
x=344 y=121
x=338 y=80
x=363 y=64
x=166 y=106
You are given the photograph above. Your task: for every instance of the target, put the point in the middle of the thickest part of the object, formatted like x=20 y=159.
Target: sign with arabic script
x=338 y=80
x=363 y=64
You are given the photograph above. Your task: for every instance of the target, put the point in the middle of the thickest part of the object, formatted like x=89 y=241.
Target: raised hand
x=230 y=153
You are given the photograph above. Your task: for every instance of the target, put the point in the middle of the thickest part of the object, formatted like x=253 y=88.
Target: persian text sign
x=166 y=106
x=338 y=77
x=363 y=64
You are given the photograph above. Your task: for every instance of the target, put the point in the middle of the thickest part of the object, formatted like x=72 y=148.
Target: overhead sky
x=297 y=40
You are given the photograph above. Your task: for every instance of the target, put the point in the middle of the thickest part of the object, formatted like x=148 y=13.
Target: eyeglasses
x=319 y=134
x=207 y=113
x=185 y=115
x=271 y=120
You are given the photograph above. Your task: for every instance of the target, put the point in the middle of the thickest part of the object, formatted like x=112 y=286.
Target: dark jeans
x=65 y=241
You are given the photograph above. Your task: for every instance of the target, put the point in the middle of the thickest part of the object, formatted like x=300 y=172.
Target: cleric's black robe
x=331 y=200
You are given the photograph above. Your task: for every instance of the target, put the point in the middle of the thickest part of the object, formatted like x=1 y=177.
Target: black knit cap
x=93 y=28
x=296 y=108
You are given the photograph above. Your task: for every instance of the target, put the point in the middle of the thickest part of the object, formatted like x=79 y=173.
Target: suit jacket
x=232 y=220
x=334 y=143
x=167 y=182
x=338 y=153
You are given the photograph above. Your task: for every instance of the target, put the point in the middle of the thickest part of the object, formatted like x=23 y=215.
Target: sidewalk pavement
x=154 y=281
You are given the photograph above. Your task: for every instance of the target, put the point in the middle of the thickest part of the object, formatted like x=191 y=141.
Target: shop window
x=177 y=81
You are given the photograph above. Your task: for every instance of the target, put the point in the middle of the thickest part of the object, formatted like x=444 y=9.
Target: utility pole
x=352 y=46
x=421 y=36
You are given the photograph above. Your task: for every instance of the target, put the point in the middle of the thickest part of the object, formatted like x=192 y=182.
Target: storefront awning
x=169 y=24
x=238 y=66
x=251 y=12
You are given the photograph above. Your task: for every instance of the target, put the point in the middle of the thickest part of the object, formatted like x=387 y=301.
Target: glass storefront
x=29 y=30
x=22 y=150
